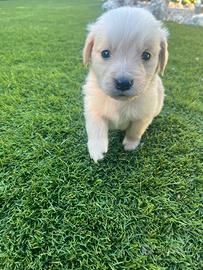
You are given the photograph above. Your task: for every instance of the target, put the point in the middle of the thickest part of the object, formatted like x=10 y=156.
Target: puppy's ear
x=163 y=54
x=87 y=50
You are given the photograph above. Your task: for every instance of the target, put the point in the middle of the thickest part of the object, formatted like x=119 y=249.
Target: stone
x=162 y=10
x=159 y=9
x=110 y=4
x=197 y=20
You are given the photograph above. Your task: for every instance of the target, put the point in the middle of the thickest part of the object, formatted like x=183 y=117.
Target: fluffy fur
x=126 y=32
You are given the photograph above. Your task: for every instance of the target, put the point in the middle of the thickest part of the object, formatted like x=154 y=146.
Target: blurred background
x=181 y=11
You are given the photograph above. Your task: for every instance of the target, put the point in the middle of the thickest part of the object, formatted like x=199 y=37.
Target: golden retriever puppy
x=126 y=49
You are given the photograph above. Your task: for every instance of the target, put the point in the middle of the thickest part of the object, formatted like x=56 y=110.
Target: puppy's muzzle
x=123 y=84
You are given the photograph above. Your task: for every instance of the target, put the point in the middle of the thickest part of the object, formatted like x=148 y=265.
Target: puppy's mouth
x=122 y=95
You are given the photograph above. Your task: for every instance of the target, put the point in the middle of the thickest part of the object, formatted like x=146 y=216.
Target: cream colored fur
x=127 y=32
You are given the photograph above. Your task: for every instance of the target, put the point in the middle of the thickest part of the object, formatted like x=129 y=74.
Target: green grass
x=59 y=210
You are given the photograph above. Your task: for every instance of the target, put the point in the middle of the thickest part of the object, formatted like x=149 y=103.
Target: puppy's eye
x=106 y=54
x=146 y=56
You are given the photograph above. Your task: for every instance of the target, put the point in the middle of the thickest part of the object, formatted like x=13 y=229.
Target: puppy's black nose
x=123 y=84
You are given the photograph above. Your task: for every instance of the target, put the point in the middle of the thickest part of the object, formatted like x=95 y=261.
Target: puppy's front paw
x=130 y=145
x=97 y=149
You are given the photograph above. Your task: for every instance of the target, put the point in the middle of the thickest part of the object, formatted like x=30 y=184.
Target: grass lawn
x=59 y=210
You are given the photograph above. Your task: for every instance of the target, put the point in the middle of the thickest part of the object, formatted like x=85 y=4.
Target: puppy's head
x=126 y=48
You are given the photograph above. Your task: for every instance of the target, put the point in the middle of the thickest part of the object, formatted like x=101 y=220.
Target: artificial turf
x=59 y=210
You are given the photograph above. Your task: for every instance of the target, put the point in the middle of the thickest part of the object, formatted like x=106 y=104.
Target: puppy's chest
x=121 y=116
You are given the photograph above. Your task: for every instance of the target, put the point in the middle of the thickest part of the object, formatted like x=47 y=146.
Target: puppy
x=126 y=49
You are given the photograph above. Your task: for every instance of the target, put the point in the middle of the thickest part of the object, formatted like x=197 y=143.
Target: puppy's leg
x=134 y=133
x=97 y=131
